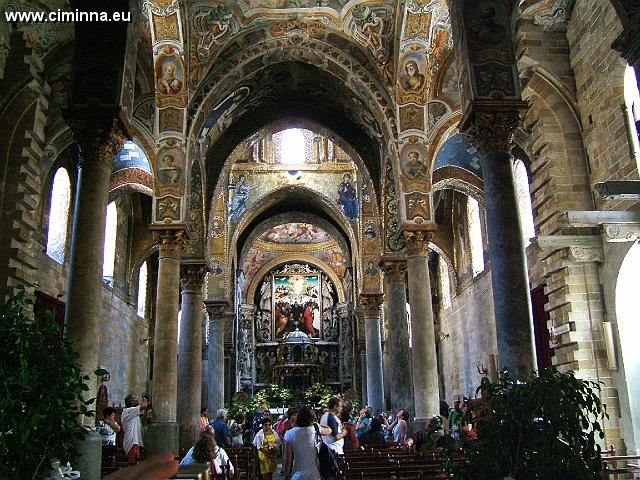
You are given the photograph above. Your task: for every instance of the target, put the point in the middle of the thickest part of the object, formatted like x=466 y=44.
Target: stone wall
x=471 y=339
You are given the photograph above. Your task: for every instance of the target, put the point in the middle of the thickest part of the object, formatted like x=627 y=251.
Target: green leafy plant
x=41 y=393
x=544 y=428
x=271 y=396
x=318 y=394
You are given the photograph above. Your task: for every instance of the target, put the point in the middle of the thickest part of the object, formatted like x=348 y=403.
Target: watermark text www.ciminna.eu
x=66 y=16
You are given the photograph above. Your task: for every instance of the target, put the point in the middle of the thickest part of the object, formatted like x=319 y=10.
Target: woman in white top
x=300 y=447
x=399 y=426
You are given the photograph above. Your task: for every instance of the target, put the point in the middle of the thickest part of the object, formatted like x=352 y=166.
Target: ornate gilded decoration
x=170 y=240
x=417 y=242
x=418 y=207
x=195 y=219
x=490 y=126
x=394 y=269
x=170 y=78
x=192 y=276
x=371 y=303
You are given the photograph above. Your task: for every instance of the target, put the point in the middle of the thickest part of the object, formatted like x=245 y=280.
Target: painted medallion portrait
x=414 y=160
x=412 y=77
x=169 y=75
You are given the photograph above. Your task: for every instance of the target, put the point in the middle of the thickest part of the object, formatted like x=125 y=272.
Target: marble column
x=423 y=351
x=229 y=360
x=490 y=131
x=216 y=311
x=371 y=305
x=398 y=335
x=163 y=431
x=190 y=353
x=86 y=254
x=84 y=300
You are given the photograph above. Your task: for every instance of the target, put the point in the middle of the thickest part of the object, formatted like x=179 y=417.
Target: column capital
x=343 y=310
x=97 y=130
x=489 y=126
x=247 y=309
x=371 y=304
x=216 y=309
x=394 y=268
x=170 y=239
x=418 y=240
x=192 y=275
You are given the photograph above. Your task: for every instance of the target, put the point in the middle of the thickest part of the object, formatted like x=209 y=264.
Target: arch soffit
x=276 y=262
x=221 y=81
x=271 y=198
x=294 y=217
x=543 y=79
x=446 y=255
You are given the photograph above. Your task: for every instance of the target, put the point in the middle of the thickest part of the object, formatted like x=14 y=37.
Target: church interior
x=393 y=199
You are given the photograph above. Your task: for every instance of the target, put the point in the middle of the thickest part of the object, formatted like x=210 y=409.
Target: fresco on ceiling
x=348 y=197
x=295 y=233
x=247 y=5
x=250 y=182
x=458 y=152
x=449 y=89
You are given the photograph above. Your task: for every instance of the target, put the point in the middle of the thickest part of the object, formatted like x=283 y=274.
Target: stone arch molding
x=295 y=217
x=276 y=262
x=366 y=88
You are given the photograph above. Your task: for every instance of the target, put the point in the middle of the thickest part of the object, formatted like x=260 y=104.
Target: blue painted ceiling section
x=458 y=152
x=130 y=156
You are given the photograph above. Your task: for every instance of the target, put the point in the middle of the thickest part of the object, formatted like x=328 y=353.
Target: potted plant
x=318 y=394
x=546 y=428
x=41 y=395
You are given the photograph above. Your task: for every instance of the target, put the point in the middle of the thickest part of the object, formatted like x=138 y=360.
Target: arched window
x=445 y=285
x=632 y=106
x=292 y=147
x=524 y=201
x=110 y=232
x=59 y=215
x=142 y=289
x=475 y=236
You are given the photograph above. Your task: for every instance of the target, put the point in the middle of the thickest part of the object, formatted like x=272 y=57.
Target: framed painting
x=296 y=304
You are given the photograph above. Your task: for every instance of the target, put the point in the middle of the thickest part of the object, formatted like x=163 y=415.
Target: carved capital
x=371 y=304
x=247 y=311
x=192 y=276
x=216 y=309
x=97 y=131
x=490 y=126
x=417 y=242
x=394 y=269
x=170 y=241
x=343 y=310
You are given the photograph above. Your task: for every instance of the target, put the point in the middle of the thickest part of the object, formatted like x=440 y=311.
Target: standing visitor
x=334 y=440
x=267 y=442
x=223 y=434
x=203 y=419
x=132 y=427
x=300 y=452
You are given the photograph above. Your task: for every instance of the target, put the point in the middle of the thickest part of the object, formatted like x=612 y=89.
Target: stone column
x=490 y=130
x=371 y=304
x=215 y=382
x=84 y=298
x=190 y=354
x=346 y=345
x=163 y=432
x=398 y=335
x=423 y=350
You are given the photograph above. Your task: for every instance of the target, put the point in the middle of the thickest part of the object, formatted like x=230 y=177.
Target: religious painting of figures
x=296 y=304
x=348 y=197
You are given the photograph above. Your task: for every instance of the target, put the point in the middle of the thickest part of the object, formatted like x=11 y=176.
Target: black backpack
x=327 y=459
